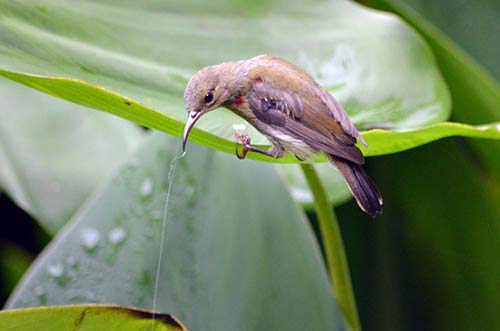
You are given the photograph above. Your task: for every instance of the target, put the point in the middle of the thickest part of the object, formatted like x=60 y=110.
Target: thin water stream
x=170 y=178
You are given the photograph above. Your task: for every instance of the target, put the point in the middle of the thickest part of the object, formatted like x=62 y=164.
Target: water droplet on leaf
x=117 y=235
x=90 y=239
x=147 y=188
x=56 y=271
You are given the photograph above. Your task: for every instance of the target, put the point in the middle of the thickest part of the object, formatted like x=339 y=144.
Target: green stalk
x=334 y=249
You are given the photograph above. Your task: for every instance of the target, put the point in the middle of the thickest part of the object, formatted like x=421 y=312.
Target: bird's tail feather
x=361 y=186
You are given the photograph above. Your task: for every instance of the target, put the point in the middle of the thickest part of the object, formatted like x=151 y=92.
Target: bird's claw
x=243 y=139
x=241 y=155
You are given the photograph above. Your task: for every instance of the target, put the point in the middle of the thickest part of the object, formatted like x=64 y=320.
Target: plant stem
x=334 y=249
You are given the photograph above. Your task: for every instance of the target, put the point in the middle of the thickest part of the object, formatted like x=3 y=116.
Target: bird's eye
x=209 y=97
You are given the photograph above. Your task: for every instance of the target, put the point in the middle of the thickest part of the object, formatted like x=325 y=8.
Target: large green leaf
x=474 y=25
x=234 y=258
x=381 y=71
x=439 y=253
x=86 y=318
x=475 y=94
x=53 y=153
x=331 y=179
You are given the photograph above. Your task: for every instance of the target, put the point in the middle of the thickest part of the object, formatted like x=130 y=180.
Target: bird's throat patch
x=239 y=100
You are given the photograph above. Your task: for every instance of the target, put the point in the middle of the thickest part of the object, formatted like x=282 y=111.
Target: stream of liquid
x=170 y=178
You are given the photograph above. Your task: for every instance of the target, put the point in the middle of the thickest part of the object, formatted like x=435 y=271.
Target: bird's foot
x=244 y=140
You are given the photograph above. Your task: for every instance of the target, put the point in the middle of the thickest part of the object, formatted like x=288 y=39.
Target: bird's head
x=205 y=91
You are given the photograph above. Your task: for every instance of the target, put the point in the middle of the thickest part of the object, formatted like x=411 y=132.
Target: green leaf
x=472 y=25
x=14 y=261
x=134 y=61
x=332 y=181
x=475 y=28
x=475 y=94
x=231 y=253
x=446 y=241
x=400 y=141
x=53 y=153
x=86 y=318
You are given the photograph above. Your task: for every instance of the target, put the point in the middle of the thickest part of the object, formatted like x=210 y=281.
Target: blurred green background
x=434 y=257
x=432 y=260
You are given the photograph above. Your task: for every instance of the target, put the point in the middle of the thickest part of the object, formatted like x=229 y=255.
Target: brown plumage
x=291 y=109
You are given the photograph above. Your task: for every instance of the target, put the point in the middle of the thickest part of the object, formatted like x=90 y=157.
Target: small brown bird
x=291 y=109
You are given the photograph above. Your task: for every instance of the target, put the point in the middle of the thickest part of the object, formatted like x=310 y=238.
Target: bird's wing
x=292 y=106
x=286 y=76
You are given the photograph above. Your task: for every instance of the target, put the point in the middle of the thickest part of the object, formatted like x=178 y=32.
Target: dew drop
x=147 y=188
x=117 y=235
x=90 y=240
x=56 y=270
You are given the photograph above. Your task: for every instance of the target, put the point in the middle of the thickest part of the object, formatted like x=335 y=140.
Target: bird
x=293 y=111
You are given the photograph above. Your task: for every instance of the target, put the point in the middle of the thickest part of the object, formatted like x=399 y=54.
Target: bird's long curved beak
x=193 y=116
